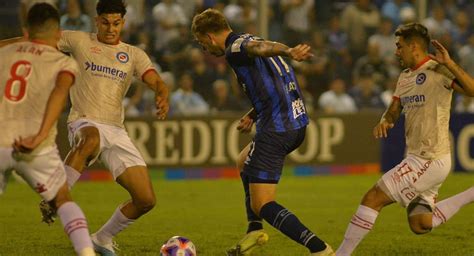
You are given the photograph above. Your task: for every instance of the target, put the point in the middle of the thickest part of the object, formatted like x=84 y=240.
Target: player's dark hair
x=41 y=18
x=111 y=6
x=412 y=31
x=209 y=21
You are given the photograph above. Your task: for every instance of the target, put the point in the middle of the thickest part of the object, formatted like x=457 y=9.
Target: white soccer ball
x=178 y=246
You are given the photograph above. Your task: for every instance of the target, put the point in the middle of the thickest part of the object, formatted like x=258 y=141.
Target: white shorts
x=416 y=178
x=117 y=151
x=43 y=171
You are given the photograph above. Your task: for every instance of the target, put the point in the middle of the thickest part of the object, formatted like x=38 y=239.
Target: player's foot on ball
x=103 y=248
x=250 y=241
x=48 y=213
x=326 y=252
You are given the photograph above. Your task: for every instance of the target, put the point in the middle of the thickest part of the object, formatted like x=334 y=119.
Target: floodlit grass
x=211 y=213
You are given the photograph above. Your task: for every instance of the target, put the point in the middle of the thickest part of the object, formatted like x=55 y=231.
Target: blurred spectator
x=359 y=19
x=307 y=96
x=176 y=55
x=466 y=55
x=185 y=101
x=366 y=92
x=387 y=94
x=437 y=23
x=341 y=60
x=385 y=39
x=202 y=75
x=371 y=63
x=462 y=29
x=222 y=100
x=464 y=104
x=336 y=100
x=407 y=15
x=240 y=13
x=298 y=17
x=168 y=17
x=74 y=18
x=316 y=69
x=392 y=9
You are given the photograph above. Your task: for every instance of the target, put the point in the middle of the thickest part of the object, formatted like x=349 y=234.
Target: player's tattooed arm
x=154 y=81
x=388 y=120
x=462 y=77
x=268 y=49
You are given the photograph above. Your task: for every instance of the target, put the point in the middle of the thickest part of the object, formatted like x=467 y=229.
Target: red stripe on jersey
x=70 y=73
x=146 y=72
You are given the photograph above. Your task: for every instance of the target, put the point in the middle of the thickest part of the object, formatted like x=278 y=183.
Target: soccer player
x=423 y=93
x=34 y=81
x=281 y=120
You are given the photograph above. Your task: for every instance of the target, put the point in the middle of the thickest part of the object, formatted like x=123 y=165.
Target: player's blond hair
x=209 y=21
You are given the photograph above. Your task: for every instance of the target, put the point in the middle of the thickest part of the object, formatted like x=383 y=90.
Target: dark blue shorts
x=267 y=154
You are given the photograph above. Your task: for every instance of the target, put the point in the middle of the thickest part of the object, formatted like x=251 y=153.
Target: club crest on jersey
x=122 y=57
x=420 y=78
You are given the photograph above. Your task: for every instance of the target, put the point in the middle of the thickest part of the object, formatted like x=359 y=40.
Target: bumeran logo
x=413 y=99
x=107 y=70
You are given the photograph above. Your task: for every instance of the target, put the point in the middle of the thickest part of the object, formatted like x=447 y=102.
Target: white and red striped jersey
x=28 y=73
x=105 y=76
x=425 y=94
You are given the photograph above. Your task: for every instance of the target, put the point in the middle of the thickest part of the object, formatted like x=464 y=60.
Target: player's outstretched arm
x=300 y=52
x=388 y=119
x=246 y=122
x=54 y=108
x=154 y=81
x=442 y=56
x=8 y=41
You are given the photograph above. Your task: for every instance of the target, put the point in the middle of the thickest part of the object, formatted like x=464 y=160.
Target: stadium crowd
x=353 y=69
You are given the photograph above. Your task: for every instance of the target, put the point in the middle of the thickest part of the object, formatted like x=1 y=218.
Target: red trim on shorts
x=146 y=72
x=453 y=83
x=70 y=73
x=395 y=98
x=421 y=63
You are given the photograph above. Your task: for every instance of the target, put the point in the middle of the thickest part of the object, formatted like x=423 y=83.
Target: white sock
x=114 y=225
x=360 y=225
x=72 y=175
x=446 y=209
x=75 y=226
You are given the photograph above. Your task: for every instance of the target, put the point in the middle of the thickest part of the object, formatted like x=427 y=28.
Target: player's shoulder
x=439 y=68
x=75 y=34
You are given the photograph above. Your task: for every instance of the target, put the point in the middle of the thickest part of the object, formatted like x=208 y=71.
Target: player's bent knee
x=419 y=226
x=145 y=205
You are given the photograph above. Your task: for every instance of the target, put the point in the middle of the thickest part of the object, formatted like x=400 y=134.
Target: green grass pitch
x=211 y=214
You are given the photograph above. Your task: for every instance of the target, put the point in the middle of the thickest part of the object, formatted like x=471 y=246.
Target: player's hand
x=300 y=52
x=161 y=103
x=26 y=145
x=245 y=124
x=441 y=54
x=380 y=130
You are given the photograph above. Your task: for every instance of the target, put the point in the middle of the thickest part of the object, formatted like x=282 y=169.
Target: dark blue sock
x=285 y=221
x=255 y=222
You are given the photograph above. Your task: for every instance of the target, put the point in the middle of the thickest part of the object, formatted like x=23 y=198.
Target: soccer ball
x=178 y=246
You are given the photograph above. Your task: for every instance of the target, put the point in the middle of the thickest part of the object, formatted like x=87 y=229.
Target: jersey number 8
x=15 y=89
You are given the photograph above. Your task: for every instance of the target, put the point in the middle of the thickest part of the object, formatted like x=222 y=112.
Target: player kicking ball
x=281 y=120
x=424 y=91
x=35 y=79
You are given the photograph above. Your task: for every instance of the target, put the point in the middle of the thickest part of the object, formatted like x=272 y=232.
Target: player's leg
x=263 y=202
x=137 y=182
x=45 y=174
x=74 y=222
x=85 y=143
x=254 y=221
x=364 y=218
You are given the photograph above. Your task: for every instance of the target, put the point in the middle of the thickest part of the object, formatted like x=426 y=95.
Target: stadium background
x=203 y=145
x=353 y=45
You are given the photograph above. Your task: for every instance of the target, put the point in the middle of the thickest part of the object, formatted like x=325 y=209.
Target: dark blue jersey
x=270 y=84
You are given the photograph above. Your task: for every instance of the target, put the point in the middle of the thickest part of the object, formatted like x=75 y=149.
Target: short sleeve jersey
x=106 y=73
x=270 y=84
x=425 y=94
x=28 y=73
